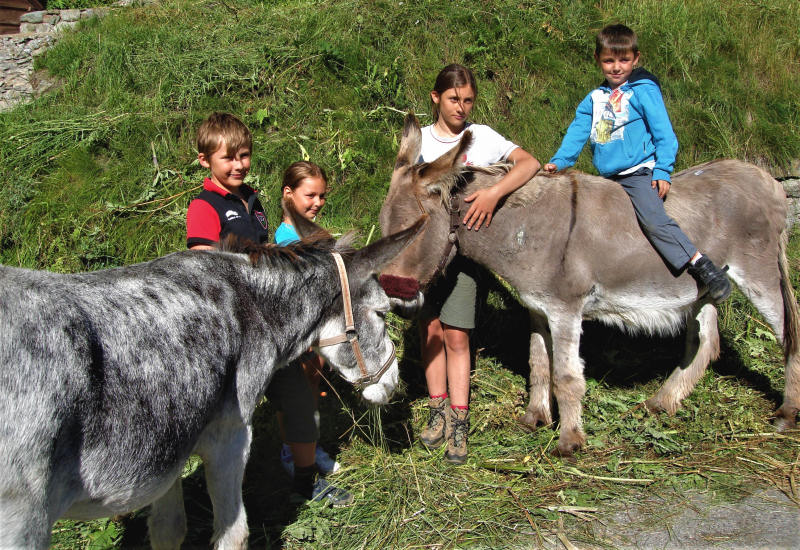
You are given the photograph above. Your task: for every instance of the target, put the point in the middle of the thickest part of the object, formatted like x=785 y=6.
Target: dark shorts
x=291 y=393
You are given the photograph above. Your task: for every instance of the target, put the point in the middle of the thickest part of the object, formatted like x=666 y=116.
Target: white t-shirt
x=487 y=146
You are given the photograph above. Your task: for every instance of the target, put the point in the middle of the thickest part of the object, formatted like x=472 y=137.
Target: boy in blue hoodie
x=633 y=143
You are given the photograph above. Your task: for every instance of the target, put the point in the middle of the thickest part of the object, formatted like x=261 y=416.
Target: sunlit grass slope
x=99 y=172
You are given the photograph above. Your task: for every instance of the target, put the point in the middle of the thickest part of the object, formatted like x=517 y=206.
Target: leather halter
x=350 y=334
x=452 y=235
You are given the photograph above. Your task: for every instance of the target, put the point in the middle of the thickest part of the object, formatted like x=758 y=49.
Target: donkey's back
x=591 y=255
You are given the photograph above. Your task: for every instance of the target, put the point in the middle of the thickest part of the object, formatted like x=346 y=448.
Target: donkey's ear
x=371 y=259
x=410 y=143
x=436 y=174
x=305 y=228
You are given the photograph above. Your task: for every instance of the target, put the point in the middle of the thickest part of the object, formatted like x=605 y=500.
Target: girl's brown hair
x=452 y=76
x=298 y=171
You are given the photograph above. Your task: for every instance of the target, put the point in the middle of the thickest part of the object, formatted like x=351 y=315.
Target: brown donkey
x=571 y=246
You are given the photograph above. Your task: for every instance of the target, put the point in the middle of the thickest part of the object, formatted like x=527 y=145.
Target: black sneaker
x=309 y=485
x=712 y=277
x=323 y=490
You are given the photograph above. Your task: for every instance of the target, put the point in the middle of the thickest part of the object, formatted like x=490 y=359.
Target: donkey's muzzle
x=405 y=288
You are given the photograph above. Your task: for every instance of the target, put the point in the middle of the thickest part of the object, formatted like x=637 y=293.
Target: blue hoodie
x=632 y=131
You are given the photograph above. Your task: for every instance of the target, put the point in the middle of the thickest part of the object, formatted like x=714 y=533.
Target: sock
x=693 y=262
x=443 y=396
x=304 y=478
x=460 y=407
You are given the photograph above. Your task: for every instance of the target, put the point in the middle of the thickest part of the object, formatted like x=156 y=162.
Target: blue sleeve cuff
x=659 y=174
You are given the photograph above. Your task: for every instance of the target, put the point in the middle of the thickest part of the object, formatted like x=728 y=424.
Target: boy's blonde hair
x=223 y=127
x=617 y=39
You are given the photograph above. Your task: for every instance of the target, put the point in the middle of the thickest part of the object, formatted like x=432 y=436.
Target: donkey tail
x=791 y=314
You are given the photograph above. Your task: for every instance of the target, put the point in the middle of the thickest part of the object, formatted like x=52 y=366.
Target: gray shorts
x=291 y=393
x=452 y=299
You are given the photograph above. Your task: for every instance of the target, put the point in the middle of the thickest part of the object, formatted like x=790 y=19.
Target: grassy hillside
x=100 y=171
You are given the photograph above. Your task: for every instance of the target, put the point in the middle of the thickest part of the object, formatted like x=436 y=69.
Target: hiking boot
x=309 y=485
x=456 y=452
x=434 y=433
x=712 y=277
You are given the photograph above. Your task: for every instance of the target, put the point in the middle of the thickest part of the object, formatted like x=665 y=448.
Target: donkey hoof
x=785 y=419
x=654 y=405
x=531 y=421
x=566 y=451
x=569 y=444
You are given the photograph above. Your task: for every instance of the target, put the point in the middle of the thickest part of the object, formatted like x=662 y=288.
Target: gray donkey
x=110 y=380
x=571 y=246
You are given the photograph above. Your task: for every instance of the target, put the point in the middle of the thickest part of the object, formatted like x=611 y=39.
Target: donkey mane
x=273 y=255
x=458 y=180
x=472 y=178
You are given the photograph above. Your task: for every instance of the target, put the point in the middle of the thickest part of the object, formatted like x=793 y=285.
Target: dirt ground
x=767 y=519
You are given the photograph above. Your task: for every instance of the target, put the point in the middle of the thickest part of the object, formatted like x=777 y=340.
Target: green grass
x=100 y=171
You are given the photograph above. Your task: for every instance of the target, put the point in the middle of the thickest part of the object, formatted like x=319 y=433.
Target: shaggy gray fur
x=110 y=380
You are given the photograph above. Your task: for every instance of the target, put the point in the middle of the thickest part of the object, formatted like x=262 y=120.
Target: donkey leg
x=538 y=411
x=167 y=521
x=771 y=293
x=23 y=520
x=224 y=451
x=702 y=347
x=569 y=385
x=786 y=415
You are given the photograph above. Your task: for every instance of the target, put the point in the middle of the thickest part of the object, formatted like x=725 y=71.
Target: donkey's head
x=420 y=188
x=353 y=339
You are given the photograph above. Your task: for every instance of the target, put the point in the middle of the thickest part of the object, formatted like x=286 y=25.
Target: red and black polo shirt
x=215 y=213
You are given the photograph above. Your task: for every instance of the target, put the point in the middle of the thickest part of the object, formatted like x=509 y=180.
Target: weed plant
x=100 y=171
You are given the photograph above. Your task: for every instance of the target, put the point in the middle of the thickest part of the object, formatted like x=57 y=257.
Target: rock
x=27 y=27
x=65 y=26
x=42 y=81
x=51 y=18
x=32 y=17
x=792 y=188
x=70 y=15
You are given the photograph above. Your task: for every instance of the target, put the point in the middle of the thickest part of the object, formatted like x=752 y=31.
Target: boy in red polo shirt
x=226 y=205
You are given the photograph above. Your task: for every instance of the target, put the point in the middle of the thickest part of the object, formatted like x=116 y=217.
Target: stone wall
x=55 y=20
x=792 y=188
x=16 y=65
x=38 y=31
